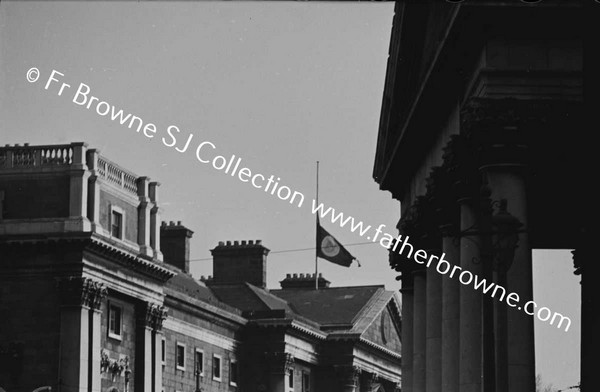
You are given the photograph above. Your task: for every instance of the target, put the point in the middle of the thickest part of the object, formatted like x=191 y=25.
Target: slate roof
x=186 y=284
x=247 y=297
x=337 y=310
x=333 y=307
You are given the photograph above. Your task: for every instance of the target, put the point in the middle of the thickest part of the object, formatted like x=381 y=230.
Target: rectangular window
x=291 y=380
x=115 y=321
x=233 y=373
x=199 y=363
x=180 y=356
x=163 y=351
x=305 y=382
x=117 y=222
x=217 y=367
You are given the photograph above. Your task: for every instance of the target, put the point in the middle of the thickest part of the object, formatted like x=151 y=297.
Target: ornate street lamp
x=505 y=240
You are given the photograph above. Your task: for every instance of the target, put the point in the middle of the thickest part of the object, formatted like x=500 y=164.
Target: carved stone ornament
x=114 y=367
x=153 y=315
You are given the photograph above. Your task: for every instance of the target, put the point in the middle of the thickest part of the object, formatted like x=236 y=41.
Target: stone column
x=419 y=330
x=149 y=320
x=583 y=255
x=93 y=201
x=470 y=324
x=78 y=338
x=98 y=294
x=78 y=190
x=144 y=217
x=447 y=217
x=280 y=364
x=433 y=352
x=348 y=376
x=499 y=130
x=157 y=381
x=450 y=313
x=155 y=220
x=407 y=332
x=507 y=184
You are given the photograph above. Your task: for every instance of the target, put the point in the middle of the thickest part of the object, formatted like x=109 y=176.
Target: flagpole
x=317 y=235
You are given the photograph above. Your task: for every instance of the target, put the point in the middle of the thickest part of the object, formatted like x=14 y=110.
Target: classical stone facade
x=96 y=295
x=483 y=141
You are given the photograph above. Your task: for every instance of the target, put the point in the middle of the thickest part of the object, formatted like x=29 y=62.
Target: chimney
x=303 y=281
x=239 y=263
x=175 y=245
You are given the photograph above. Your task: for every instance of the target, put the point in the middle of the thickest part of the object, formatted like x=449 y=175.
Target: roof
x=333 y=307
x=186 y=284
x=247 y=297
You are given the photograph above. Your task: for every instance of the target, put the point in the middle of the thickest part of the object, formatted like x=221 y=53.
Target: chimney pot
x=228 y=243
x=295 y=276
x=288 y=276
x=236 y=243
x=221 y=243
x=178 y=223
x=251 y=242
x=243 y=242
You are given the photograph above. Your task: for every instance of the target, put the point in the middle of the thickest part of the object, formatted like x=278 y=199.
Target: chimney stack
x=303 y=282
x=239 y=263
x=175 y=244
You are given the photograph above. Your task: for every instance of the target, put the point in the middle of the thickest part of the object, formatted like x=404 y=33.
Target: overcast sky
x=280 y=85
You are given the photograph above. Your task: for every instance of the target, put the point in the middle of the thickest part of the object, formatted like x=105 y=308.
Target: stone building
x=483 y=141
x=96 y=295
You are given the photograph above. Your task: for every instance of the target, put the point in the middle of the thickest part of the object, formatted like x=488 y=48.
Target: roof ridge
x=256 y=289
x=332 y=288
x=369 y=306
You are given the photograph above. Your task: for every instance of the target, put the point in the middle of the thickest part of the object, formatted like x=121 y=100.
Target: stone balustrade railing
x=36 y=156
x=112 y=172
x=67 y=155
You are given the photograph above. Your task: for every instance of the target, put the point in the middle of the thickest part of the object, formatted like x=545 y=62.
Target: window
x=217 y=367
x=291 y=380
x=163 y=351
x=180 y=356
x=305 y=382
x=199 y=363
x=115 y=321
x=117 y=220
x=233 y=373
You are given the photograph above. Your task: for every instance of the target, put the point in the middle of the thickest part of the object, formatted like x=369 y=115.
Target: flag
x=330 y=249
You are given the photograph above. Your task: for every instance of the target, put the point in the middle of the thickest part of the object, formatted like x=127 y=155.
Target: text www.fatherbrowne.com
x=204 y=152
x=404 y=248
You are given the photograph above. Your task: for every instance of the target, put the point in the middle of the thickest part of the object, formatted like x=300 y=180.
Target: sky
x=281 y=85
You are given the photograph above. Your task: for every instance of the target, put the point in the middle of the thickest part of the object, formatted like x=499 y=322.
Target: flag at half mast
x=330 y=249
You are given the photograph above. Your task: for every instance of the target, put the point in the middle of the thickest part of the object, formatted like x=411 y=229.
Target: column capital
x=280 y=362
x=80 y=291
x=152 y=315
